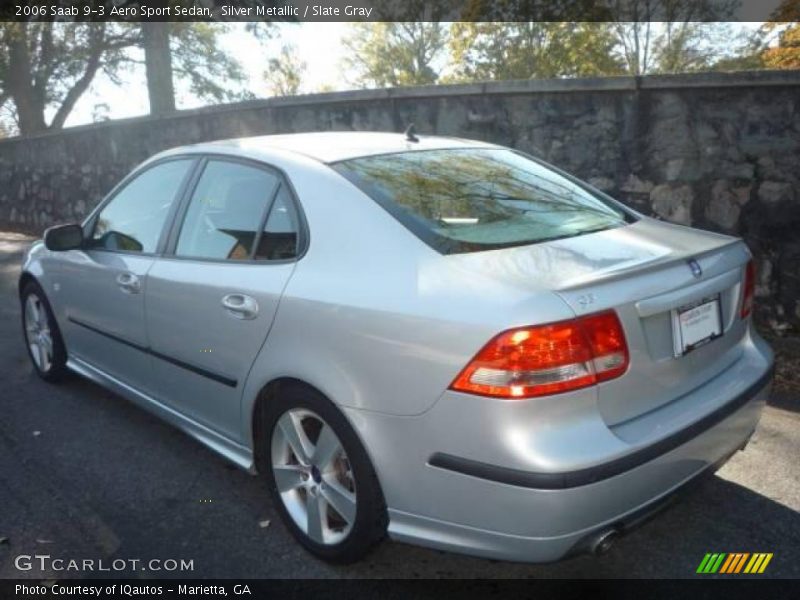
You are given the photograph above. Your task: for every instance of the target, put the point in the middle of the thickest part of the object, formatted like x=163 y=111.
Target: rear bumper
x=636 y=494
x=606 y=470
x=487 y=501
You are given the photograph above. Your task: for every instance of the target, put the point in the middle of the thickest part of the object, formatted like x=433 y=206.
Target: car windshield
x=471 y=199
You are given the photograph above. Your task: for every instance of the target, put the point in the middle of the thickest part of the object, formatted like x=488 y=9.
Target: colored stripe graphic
x=734 y=562
x=703 y=563
x=717 y=564
x=741 y=562
x=732 y=558
x=727 y=564
x=765 y=563
x=758 y=563
x=711 y=563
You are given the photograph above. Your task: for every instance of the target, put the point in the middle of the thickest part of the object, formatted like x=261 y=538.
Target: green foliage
x=679 y=49
x=284 y=74
x=394 y=54
x=749 y=61
x=47 y=67
x=484 y=51
x=687 y=47
x=671 y=36
x=50 y=65
x=324 y=88
x=785 y=53
x=212 y=75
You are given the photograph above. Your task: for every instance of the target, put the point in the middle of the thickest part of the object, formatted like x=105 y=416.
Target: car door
x=102 y=286
x=212 y=297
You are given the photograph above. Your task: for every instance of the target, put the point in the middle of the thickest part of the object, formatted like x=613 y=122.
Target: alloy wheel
x=37 y=333
x=313 y=476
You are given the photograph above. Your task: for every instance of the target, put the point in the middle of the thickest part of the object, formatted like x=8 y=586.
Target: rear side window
x=226 y=211
x=133 y=219
x=280 y=238
x=471 y=199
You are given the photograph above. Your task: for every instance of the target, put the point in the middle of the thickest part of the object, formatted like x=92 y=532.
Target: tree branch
x=83 y=83
x=45 y=67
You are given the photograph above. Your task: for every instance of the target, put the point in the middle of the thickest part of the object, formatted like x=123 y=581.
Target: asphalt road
x=85 y=474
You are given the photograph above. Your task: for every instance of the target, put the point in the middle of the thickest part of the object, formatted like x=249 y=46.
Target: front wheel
x=42 y=336
x=320 y=477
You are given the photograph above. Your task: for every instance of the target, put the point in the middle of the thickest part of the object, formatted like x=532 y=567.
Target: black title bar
x=400 y=10
x=391 y=589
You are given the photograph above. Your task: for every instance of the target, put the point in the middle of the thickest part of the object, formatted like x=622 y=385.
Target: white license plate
x=695 y=325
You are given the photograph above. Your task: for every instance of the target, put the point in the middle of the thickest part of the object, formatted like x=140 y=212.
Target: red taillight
x=548 y=359
x=748 y=289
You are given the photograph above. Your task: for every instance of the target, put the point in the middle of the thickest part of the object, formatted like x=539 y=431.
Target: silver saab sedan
x=446 y=340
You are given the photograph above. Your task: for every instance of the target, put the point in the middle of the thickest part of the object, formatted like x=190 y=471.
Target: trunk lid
x=642 y=272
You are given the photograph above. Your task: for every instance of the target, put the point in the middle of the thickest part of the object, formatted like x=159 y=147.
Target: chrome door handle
x=240 y=306
x=129 y=283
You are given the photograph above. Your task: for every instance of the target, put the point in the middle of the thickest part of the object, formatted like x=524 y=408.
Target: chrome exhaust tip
x=603 y=542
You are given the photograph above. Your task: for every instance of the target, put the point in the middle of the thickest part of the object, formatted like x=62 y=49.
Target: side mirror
x=64 y=237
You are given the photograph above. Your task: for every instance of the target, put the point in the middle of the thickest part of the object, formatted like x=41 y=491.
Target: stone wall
x=717 y=151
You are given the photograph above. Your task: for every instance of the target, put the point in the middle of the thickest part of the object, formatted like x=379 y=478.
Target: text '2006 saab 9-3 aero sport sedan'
x=446 y=340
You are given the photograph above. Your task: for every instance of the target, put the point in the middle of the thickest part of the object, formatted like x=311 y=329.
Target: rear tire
x=42 y=336
x=320 y=477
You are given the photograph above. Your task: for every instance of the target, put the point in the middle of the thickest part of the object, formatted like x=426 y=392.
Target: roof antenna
x=411 y=133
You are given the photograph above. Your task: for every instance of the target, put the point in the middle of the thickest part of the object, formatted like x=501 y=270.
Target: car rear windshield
x=472 y=199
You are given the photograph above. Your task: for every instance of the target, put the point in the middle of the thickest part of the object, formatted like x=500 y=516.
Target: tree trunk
x=158 y=65
x=29 y=103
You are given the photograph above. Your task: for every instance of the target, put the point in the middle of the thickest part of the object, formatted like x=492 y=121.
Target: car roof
x=333 y=146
